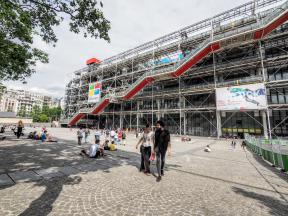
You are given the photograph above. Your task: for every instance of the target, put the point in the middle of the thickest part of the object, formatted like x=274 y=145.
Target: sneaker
x=158 y=179
x=147 y=173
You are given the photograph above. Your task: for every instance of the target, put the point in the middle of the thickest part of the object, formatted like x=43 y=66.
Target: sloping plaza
x=53 y=179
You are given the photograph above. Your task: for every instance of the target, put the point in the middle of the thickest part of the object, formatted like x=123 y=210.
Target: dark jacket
x=162 y=138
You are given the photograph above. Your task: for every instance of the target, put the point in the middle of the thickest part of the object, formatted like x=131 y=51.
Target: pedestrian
x=112 y=134
x=107 y=133
x=120 y=133
x=243 y=145
x=80 y=136
x=146 y=142
x=124 y=138
x=97 y=135
x=233 y=143
x=161 y=144
x=19 y=129
x=86 y=134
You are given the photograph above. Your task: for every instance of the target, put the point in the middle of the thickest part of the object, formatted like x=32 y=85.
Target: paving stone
x=49 y=173
x=5 y=180
x=24 y=176
x=68 y=170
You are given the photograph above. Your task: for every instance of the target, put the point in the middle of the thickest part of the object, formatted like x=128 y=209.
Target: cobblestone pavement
x=53 y=179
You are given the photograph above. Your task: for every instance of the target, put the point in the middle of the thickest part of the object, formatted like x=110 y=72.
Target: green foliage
x=22 y=112
x=46 y=114
x=43 y=118
x=21 y=20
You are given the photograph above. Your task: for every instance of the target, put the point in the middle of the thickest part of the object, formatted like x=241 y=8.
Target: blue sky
x=132 y=22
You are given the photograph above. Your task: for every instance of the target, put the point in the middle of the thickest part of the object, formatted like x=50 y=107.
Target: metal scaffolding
x=188 y=102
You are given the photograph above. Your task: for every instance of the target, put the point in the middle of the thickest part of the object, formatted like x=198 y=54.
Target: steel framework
x=247 y=44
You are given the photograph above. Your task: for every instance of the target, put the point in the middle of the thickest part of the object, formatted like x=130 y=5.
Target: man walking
x=80 y=136
x=161 y=144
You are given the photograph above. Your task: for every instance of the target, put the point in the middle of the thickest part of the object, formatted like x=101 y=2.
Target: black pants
x=145 y=158
x=160 y=161
x=19 y=132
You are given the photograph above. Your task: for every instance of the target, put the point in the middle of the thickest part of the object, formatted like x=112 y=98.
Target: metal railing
x=275 y=150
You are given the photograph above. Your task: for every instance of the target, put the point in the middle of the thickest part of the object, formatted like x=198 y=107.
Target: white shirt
x=93 y=150
x=112 y=133
x=147 y=139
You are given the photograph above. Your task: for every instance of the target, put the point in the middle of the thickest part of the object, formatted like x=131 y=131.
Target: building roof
x=7 y=115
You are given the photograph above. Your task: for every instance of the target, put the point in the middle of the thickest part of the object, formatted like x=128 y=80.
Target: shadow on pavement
x=276 y=206
x=29 y=155
x=44 y=204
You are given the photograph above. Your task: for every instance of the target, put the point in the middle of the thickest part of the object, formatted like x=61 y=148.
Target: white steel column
x=137 y=116
x=180 y=110
x=219 y=125
x=121 y=116
x=264 y=121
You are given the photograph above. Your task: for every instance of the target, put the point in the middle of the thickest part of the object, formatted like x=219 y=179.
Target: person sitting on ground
x=101 y=149
x=44 y=136
x=106 y=145
x=112 y=146
x=50 y=139
x=93 y=151
x=207 y=149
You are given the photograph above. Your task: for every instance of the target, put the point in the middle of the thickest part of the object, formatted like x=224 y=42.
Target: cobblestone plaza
x=53 y=179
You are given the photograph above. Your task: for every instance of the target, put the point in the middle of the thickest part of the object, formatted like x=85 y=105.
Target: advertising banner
x=94 y=94
x=243 y=97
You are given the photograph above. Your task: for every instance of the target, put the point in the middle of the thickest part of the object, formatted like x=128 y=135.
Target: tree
x=35 y=113
x=22 y=112
x=43 y=118
x=22 y=20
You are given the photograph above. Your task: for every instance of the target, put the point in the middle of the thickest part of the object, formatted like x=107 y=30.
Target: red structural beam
x=76 y=119
x=93 y=61
x=100 y=107
x=264 y=31
x=138 y=87
x=204 y=52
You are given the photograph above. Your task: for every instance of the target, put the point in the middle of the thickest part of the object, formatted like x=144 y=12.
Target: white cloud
x=133 y=22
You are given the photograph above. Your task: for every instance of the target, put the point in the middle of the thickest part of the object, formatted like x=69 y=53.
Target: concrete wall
x=15 y=120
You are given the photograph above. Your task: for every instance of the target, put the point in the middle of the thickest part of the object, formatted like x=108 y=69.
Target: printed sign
x=244 y=97
x=94 y=92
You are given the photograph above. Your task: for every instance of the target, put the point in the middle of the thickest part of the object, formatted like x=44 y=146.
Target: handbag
x=152 y=157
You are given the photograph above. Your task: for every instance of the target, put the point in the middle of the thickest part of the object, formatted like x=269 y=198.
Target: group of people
x=118 y=137
x=42 y=135
x=154 y=144
x=97 y=149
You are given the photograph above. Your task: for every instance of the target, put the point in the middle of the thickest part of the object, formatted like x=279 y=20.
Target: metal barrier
x=274 y=151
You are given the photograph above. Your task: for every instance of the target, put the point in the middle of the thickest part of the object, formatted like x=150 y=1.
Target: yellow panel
x=91 y=93
x=258 y=131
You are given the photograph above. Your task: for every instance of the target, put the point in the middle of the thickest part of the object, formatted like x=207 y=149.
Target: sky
x=133 y=22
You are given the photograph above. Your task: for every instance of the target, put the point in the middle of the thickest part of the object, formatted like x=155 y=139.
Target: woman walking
x=146 y=141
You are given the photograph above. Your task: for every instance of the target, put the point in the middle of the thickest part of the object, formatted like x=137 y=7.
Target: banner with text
x=94 y=92
x=243 y=97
